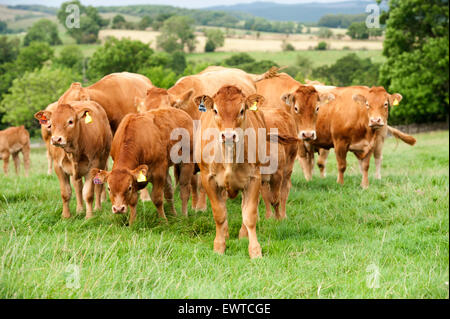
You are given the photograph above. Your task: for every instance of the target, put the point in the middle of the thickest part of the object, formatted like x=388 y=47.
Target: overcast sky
x=178 y=3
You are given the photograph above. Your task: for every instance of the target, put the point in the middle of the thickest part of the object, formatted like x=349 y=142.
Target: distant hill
x=303 y=12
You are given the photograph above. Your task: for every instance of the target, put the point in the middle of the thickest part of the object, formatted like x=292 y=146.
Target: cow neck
x=128 y=154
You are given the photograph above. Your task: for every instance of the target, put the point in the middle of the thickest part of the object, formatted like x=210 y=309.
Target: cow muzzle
x=376 y=122
x=58 y=141
x=307 y=135
x=119 y=209
x=229 y=137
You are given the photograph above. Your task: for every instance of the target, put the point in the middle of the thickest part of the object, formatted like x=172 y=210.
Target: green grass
x=318 y=58
x=333 y=234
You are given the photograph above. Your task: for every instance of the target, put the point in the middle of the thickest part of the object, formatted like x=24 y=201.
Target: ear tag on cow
x=97 y=180
x=254 y=107
x=43 y=120
x=202 y=107
x=141 y=177
x=395 y=102
x=88 y=118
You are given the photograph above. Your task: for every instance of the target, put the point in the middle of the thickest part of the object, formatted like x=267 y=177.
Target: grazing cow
x=80 y=140
x=117 y=94
x=14 y=140
x=142 y=151
x=354 y=122
x=235 y=165
x=291 y=108
x=182 y=94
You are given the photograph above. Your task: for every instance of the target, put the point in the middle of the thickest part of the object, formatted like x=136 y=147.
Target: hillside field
x=390 y=241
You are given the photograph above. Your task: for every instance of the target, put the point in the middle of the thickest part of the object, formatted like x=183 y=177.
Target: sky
x=178 y=3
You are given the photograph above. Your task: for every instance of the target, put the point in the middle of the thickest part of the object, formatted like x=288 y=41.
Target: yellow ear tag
x=395 y=102
x=141 y=177
x=254 y=107
x=88 y=118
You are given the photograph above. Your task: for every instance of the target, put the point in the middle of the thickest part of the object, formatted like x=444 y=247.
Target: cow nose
x=57 y=140
x=118 y=209
x=376 y=121
x=308 y=135
x=229 y=137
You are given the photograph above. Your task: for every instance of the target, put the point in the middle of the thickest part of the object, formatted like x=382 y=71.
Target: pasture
x=335 y=239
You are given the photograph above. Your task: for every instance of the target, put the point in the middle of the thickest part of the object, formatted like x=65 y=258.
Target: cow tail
x=408 y=139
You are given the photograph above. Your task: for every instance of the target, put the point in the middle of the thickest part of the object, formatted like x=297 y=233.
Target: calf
x=291 y=108
x=142 y=151
x=81 y=132
x=222 y=175
x=14 y=140
x=354 y=122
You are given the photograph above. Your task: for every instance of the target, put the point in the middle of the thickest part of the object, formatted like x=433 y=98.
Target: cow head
x=377 y=103
x=304 y=104
x=123 y=185
x=65 y=124
x=229 y=106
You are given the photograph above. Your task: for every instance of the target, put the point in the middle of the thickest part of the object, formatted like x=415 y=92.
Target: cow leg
x=132 y=215
x=341 y=157
x=26 y=158
x=365 y=171
x=157 y=194
x=266 y=196
x=250 y=199
x=275 y=190
x=66 y=190
x=5 y=157
x=322 y=161
x=78 y=185
x=378 y=155
x=103 y=194
x=98 y=190
x=16 y=160
x=201 y=203
x=145 y=196
x=219 y=210
x=194 y=187
x=285 y=189
x=88 y=196
x=186 y=173
x=168 y=193
x=49 y=163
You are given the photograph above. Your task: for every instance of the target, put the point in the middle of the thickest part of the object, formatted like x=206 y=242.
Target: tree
x=238 y=59
x=215 y=39
x=160 y=77
x=118 y=22
x=358 y=30
x=33 y=92
x=178 y=62
x=325 y=33
x=417 y=59
x=321 y=46
x=118 y=56
x=71 y=57
x=90 y=22
x=33 y=56
x=43 y=30
x=177 y=32
x=9 y=49
x=3 y=27
x=145 y=23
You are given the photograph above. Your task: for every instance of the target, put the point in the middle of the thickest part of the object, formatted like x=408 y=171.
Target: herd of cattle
x=125 y=116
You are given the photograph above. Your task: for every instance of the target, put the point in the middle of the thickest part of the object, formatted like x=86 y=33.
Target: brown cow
x=117 y=93
x=82 y=133
x=14 y=140
x=354 y=122
x=291 y=108
x=141 y=151
x=223 y=174
x=46 y=134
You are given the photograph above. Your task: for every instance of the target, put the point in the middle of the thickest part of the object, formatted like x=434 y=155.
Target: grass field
x=334 y=238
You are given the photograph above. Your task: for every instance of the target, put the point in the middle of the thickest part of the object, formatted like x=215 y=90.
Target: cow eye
x=386 y=104
x=296 y=109
x=129 y=188
x=367 y=104
x=317 y=109
x=70 y=122
x=242 y=112
x=215 y=112
x=109 y=189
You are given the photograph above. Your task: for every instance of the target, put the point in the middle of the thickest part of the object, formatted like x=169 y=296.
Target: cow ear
x=288 y=98
x=254 y=101
x=207 y=101
x=99 y=176
x=183 y=101
x=75 y=85
x=394 y=99
x=43 y=116
x=360 y=99
x=324 y=98
x=140 y=173
x=139 y=103
x=84 y=112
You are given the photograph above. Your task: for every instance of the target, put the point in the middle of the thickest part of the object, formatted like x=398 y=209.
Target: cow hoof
x=219 y=247
x=255 y=252
x=65 y=216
